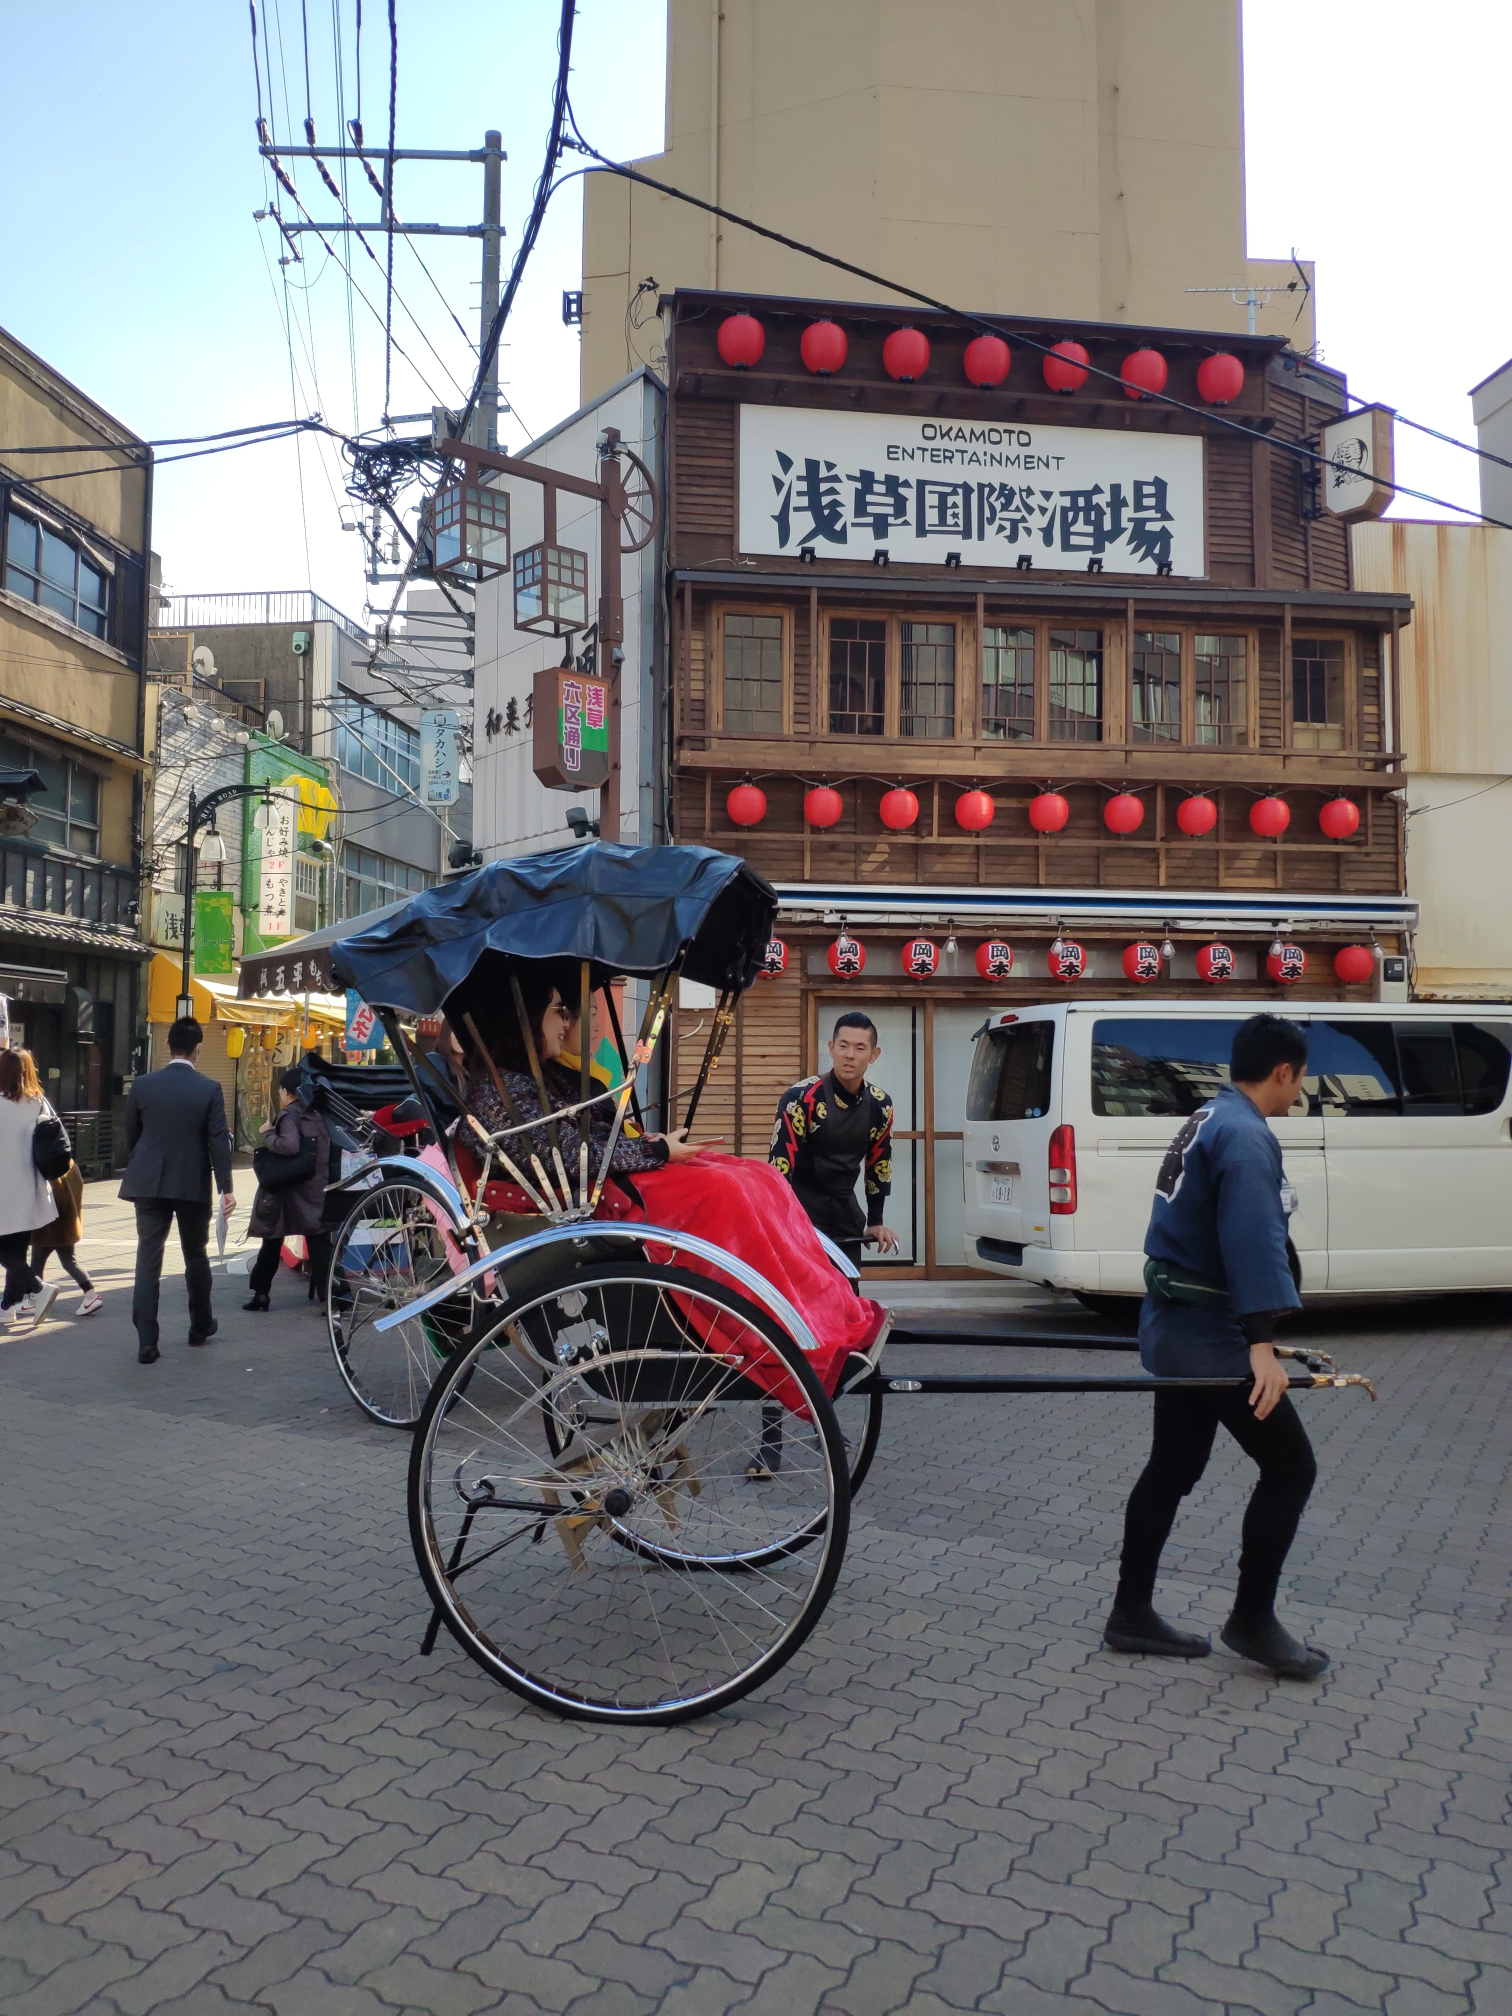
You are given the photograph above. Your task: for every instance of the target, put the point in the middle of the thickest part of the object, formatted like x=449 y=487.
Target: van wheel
x=1121 y=1310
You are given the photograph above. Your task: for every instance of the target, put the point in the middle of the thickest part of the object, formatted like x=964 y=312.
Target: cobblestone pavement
x=229 y=1781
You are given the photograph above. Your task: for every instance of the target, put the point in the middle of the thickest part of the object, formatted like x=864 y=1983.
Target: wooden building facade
x=942 y=588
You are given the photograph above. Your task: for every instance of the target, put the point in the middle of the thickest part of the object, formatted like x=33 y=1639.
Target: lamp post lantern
x=202 y=813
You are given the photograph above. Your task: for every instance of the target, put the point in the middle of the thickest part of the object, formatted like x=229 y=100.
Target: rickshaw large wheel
x=391 y=1250
x=635 y=1575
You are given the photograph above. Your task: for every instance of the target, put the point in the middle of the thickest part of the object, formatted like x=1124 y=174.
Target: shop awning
x=214 y=1000
x=287 y=969
x=1230 y=910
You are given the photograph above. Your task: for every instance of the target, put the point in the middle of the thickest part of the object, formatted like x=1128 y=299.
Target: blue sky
x=130 y=259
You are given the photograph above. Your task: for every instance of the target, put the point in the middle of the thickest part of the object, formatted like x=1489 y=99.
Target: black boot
x=259 y=1303
x=1138 y=1627
x=1267 y=1642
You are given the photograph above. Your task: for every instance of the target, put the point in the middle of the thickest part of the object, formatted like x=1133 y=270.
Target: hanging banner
x=214 y=932
x=570 y=730
x=440 y=748
x=852 y=484
x=363 y=1029
x=275 y=881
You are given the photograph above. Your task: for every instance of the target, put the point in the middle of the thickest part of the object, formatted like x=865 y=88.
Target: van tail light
x=1062 y=1172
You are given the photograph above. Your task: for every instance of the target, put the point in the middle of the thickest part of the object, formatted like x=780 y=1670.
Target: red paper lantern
x=1144 y=372
x=987 y=360
x=1065 y=367
x=823 y=347
x=1220 y=378
x=905 y=355
x=1123 y=813
x=994 y=960
x=1215 y=963
x=1141 y=961
x=1339 y=818
x=847 y=957
x=741 y=341
x=823 y=805
x=1286 y=965
x=1270 y=817
x=1354 y=964
x=1067 y=961
x=774 y=959
x=921 y=958
x=1196 y=816
x=1049 y=812
x=898 y=810
x=974 y=811
x=746 y=805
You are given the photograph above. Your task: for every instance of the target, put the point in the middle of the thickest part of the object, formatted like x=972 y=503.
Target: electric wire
x=990 y=328
x=388 y=207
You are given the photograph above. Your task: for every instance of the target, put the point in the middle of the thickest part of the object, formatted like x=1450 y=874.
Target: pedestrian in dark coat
x=295 y=1210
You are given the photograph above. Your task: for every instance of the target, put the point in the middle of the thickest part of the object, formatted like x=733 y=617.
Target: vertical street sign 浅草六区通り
x=570 y=726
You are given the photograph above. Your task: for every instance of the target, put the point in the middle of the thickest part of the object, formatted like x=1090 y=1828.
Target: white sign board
x=275 y=887
x=1358 y=468
x=845 y=485
x=440 y=781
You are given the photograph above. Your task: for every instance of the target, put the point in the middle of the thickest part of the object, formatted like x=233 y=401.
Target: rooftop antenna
x=1251 y=297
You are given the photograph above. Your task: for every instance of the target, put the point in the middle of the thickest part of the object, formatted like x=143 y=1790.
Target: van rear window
x=1010 y=1073
x=1156 y=1067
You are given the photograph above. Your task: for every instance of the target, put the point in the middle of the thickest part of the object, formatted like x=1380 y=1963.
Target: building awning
x=71 y=731
x=48 y=984
x=71 y=934
x=217 y=1000
x=297 y=963
x=1226 y=910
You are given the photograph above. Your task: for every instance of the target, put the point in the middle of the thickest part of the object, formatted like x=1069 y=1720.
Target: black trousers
x=69 y=1257
x=264 y=1268
x=154 y=1215
x=21 y=1279
x=1185 y=1425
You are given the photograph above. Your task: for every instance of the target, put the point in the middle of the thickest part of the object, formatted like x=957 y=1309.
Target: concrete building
x=293 y=656
x=73 y=618
x=1491 y=407
x=1456 y=714
x=1083 y=159
x=513 y=812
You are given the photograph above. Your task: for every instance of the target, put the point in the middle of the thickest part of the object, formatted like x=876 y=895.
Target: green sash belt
x=1168 y=1283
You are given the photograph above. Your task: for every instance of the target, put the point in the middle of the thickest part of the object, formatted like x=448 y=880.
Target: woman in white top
x=26 y=1199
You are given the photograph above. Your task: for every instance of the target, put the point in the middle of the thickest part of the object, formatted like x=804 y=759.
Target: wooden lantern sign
x=570 y=724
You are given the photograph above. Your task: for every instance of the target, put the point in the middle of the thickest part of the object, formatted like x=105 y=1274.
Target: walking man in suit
x=176 y=1137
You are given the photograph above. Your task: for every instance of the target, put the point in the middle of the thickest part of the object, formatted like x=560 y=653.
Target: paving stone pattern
x=229 y=1781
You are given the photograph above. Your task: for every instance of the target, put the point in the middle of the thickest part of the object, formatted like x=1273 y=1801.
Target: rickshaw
x=586 y=1388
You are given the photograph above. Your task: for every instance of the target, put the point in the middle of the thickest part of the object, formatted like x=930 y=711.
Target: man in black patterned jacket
x=832 y=1127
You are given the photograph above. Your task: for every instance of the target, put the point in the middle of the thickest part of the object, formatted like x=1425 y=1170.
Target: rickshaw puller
x=1222 y=1272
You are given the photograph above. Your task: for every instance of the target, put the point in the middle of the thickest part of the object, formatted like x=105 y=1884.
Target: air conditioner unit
x=300 y=643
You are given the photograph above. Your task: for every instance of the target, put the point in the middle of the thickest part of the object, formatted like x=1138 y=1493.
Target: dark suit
x=177 y=1138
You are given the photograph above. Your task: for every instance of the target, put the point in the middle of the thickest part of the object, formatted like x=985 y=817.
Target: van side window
x=1352 y=1068
x=1158 y=1068
x=1010 y=1073
x=1485 y=1057
x=1430 y=1068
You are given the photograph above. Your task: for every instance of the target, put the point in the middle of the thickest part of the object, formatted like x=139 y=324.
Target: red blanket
x=747 y=1208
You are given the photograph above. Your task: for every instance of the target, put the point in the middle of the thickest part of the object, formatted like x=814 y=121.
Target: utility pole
x=484 y=430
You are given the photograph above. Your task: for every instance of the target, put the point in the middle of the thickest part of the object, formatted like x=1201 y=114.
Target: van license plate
x=1002 y=1190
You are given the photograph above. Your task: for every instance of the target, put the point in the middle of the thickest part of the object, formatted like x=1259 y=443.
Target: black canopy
x=629 y=910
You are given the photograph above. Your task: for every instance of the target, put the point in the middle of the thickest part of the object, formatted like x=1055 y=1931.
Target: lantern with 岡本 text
x=921 y=958
x=1141 y=961
x=1215 y=963
x=994 y=960
x=847 y=957
x=773 y=960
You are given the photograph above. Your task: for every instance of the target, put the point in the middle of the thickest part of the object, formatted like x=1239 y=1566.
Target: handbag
x=52 y=1151
x=284 y=1172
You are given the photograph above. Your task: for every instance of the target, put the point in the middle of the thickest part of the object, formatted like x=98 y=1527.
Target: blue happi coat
x=1221 y=1205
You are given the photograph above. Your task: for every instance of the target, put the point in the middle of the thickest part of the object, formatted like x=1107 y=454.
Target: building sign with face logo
x=848 y=485
x=1358 y=465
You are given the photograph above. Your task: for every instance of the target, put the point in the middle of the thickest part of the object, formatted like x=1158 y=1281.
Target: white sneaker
x=92 y=1304
x=22 y=1313
x=43 y=1302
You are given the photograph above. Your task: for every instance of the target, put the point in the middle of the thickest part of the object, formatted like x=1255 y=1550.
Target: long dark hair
x=489 y=999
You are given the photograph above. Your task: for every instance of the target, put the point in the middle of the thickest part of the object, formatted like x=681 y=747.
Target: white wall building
x=512 y=812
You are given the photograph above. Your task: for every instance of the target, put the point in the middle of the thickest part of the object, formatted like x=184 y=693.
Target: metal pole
x=484 y=429
x=186 y=989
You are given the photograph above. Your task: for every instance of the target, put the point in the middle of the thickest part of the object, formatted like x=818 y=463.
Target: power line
x=388 y=205
x=990 y=328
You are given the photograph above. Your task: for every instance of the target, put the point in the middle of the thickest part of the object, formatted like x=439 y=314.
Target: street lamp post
x=202 y=812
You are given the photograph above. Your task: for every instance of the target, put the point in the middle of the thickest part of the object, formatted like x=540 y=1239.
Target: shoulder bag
x=284 y=1172
x=52 y=1151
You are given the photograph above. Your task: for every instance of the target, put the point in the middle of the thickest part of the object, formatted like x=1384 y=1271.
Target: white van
x=1400 y=1147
